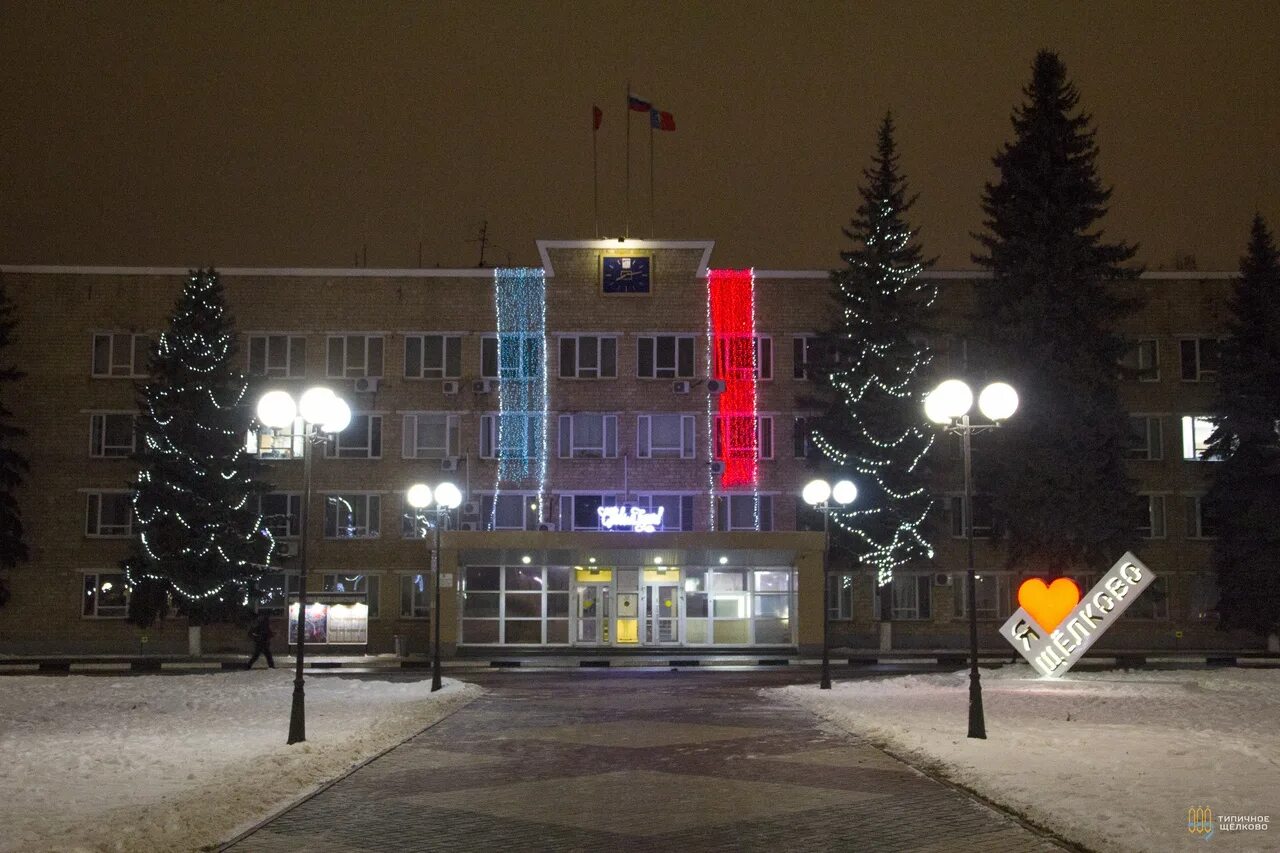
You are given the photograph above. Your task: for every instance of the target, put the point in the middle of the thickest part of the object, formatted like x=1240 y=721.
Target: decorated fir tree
x=201 y=541
x=871 y=372
x=13 y=464
x=1245 y=489
x=1046 y=322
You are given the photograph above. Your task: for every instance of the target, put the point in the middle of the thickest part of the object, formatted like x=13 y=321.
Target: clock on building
x=626 y=273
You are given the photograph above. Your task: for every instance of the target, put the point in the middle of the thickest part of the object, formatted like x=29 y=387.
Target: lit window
x=105 y=596
x=433 y=356
x=1196 y=431
x=278 y=356
x=355 y=356
x=368 y=584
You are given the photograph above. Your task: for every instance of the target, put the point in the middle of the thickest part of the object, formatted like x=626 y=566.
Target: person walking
x=261 y=635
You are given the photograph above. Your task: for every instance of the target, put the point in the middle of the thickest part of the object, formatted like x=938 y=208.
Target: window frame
x=94 y=531
x=568 y=501
x=663 y=372
x=135 y=371
x=532 y=358
x=409 y=435
x=414 y=611
x=840 y=596
x=372 y=447
x=348 y=371
x=725 y=517
x=645 y=448
x=372 y=513
x=912 y=614
x=1142 y=373
x=295 y=363
x=1157 y=526
x=292 y=519
x=449 y=344
x=1149 y=452
x=372 y=591
x=608 y=449
x=1200 y=372
x=686 y=508
x=1005 y=594
x=761 y=346
x=488 y=518
x=765 y=448
x=576 y=370
x=1196 y=517
x=802 y=360
x=1192 y=450
x=979 y=532
x=488 y=437
x=95 y=597
x=98 y=448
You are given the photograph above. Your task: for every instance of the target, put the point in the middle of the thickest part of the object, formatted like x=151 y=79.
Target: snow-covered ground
x=1110 y=760
x=175 y=762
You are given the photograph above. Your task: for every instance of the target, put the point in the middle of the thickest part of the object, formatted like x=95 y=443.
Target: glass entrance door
x=593 y=614
x=662 y=613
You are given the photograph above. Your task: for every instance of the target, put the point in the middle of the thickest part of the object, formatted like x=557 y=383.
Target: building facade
x=623 y=423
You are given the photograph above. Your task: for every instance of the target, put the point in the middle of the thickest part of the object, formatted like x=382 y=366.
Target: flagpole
x=626 y=222
x=652 y=227
x=595 y=172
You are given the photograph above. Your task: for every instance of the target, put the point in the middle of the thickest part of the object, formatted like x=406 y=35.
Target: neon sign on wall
x=635 y=518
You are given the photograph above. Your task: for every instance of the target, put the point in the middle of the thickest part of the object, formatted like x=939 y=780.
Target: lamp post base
x=297 y=716
x=977 y=722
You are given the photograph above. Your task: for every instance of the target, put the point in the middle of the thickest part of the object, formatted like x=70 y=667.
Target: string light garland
x=733 y=355
x=520 y=309
x=197 y=535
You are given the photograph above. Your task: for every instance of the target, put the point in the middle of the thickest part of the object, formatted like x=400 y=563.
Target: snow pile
x=175 y=762
x=1110 y=760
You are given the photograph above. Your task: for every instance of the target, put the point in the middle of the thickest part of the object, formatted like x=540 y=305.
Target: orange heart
x=1048 y=605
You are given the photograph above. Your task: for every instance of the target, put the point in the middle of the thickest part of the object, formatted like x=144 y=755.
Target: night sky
x=306 y=134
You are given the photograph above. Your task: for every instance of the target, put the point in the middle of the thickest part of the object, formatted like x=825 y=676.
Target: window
x=993 y=591
x=513 y=511
x=278 y=356
x=1153 y=603
x=588 y=357
x=1151 y=517
x=588 y=436
x=839 y=594
x=740 y=512
x=274 y=590
x=515 y=605
x=664 y=357
x=912 y=597
x=677 y=510
x=111 y=435
x=801 y=442
x=355 y=356
x=120 y=354
x=1201 y=358
x=1142 y=358
x=983 y=518
x=282 y=514
x=431 y=435
x=513 y=435
x=109 y=514
x=1201 y=521
x=579 y=512
x=368 y=584
x=277 y=442
x=808 y=517
x=1196 y=430
x=521 y=356
x=351 y=516
x=432 y=356
x=739 y=430
x=418 y=522
x=669 y=436
x=1202 y=598
x=415 y=596
x=803 y=356
x=362 y=439
x=105 y=595
x=1146 y=438
x=734 y=359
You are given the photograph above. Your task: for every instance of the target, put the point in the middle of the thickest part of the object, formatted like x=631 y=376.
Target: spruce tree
x=1046 y=320
x=201 y=540
x=871 y=372
x=1245 y=490
x=13 y=464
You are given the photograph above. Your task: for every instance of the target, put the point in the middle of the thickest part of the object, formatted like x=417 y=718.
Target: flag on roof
x=660 y=120
x=637 y=103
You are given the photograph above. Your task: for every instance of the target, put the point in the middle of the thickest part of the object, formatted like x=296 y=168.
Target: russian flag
x=660 y=120
x=637 y=103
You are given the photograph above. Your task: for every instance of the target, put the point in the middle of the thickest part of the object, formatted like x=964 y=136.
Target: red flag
x=660 y=120
x=596 y=117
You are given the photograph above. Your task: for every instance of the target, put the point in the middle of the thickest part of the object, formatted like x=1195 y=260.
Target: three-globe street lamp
x=819 y=494
x=447 y=497
x=949 y=405
x=323 y=414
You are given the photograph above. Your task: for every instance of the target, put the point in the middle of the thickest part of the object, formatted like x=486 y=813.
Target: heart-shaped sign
x=1048 y=605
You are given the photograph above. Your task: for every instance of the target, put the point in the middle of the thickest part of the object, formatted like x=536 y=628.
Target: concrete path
x=616 y=761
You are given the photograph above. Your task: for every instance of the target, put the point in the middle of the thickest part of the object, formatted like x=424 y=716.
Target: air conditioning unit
x=286 y=549
x=368 y=384
x=482 y=386
x=469 y=525
x=471 y=508
x=682 y=387
x=547 y=526
x=717 y=467
x=942 y=579
x=449 y=386
x=715 y=386
x=449 y=463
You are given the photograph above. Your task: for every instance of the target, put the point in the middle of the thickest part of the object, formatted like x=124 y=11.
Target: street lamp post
x=323 y=414
x=949 y=405
x=447 y=497
x=819 y=494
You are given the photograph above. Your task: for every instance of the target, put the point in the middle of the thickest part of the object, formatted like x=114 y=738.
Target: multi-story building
x=625 y=375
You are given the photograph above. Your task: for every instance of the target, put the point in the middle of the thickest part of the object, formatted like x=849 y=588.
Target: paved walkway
x=637 y=762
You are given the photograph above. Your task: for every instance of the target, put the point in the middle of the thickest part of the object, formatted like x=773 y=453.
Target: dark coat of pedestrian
x=261 y=635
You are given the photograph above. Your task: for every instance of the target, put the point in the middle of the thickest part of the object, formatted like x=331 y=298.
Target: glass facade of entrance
x=627 y=606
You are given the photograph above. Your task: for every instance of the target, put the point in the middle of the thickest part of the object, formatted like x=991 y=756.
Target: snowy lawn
x=175 y=762
x=1109 y=760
